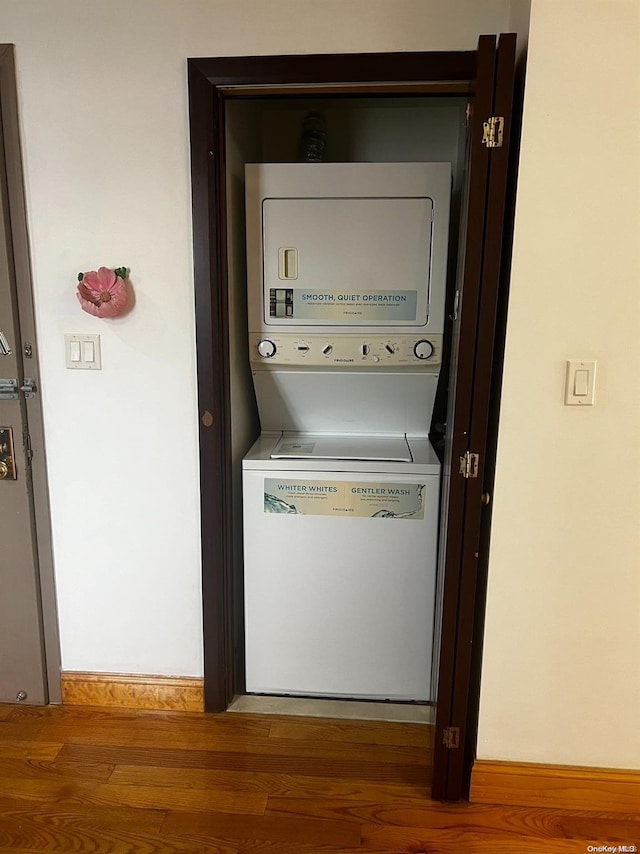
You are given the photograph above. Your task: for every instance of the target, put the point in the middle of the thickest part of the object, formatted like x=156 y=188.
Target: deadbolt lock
x=7 y=459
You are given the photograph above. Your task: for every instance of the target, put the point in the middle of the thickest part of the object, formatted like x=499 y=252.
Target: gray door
x=21 y=643
x=24 y=547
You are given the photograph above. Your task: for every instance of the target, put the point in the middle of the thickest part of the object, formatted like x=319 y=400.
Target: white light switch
x=580 y=382
x=82 y=352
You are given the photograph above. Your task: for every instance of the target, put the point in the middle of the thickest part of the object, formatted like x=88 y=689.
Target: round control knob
x=327 y=349
x=423 y=349
x=266 y=348
x=364 y=349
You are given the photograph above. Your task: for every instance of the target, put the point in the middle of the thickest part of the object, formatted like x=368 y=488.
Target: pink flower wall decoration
x=103 y=293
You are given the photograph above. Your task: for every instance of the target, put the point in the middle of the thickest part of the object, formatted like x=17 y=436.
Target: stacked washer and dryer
x=346 y=271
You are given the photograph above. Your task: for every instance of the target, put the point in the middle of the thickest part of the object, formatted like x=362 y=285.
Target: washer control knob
x=364 y=349
x=423 y=349
x=390 y=348
x=266 y=348
x=327 y=349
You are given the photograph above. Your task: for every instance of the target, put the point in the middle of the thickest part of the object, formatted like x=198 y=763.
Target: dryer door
x=351 y=262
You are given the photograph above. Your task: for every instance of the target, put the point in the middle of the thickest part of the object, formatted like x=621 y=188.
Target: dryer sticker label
x=344 y=498
x=343 y=306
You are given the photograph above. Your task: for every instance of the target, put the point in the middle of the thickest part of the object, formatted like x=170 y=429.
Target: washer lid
x=310 y=446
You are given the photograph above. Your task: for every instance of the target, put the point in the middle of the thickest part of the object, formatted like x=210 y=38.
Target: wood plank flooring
x=96 y=781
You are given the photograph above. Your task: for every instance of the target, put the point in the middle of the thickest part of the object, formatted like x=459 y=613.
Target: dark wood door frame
x=474 y=429
x=455 y=491
x=499 y=335
x=211 y=83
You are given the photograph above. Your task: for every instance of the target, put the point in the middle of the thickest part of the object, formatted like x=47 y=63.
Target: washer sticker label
x=344 y=498
x=340 y=306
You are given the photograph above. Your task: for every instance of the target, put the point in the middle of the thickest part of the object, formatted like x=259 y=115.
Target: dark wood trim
x=207 y=163
x=482 y=385
x=348 y=90
x=463 y=362
x=12 y=154
x=226 y=546
x=338 y=68
x=493 y=422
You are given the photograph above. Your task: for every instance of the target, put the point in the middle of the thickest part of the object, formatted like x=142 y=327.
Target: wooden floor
x=89 y=780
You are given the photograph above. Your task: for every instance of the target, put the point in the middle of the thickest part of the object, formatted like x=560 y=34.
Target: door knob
x=4 y=470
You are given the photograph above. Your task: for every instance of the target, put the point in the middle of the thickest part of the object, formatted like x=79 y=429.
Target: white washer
x=340 y=566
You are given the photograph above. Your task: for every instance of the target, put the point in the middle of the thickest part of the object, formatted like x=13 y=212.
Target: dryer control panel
x=340 y=351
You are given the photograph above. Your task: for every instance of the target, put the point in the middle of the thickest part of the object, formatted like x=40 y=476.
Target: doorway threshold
x=329 y=708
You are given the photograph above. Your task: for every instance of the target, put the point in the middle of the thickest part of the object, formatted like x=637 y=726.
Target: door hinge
x=469 y=465
x=493 y=132
x=451 y=737
x=26 y=442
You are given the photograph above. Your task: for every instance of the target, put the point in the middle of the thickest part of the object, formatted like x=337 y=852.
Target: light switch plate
x=580 y=382
x=76 y=350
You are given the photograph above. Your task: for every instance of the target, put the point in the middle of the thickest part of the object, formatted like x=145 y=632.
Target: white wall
x=103 y=101
x=561 y=672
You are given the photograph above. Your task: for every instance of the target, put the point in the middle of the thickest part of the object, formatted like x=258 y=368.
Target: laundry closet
x=341 y=290
x=347 y=410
